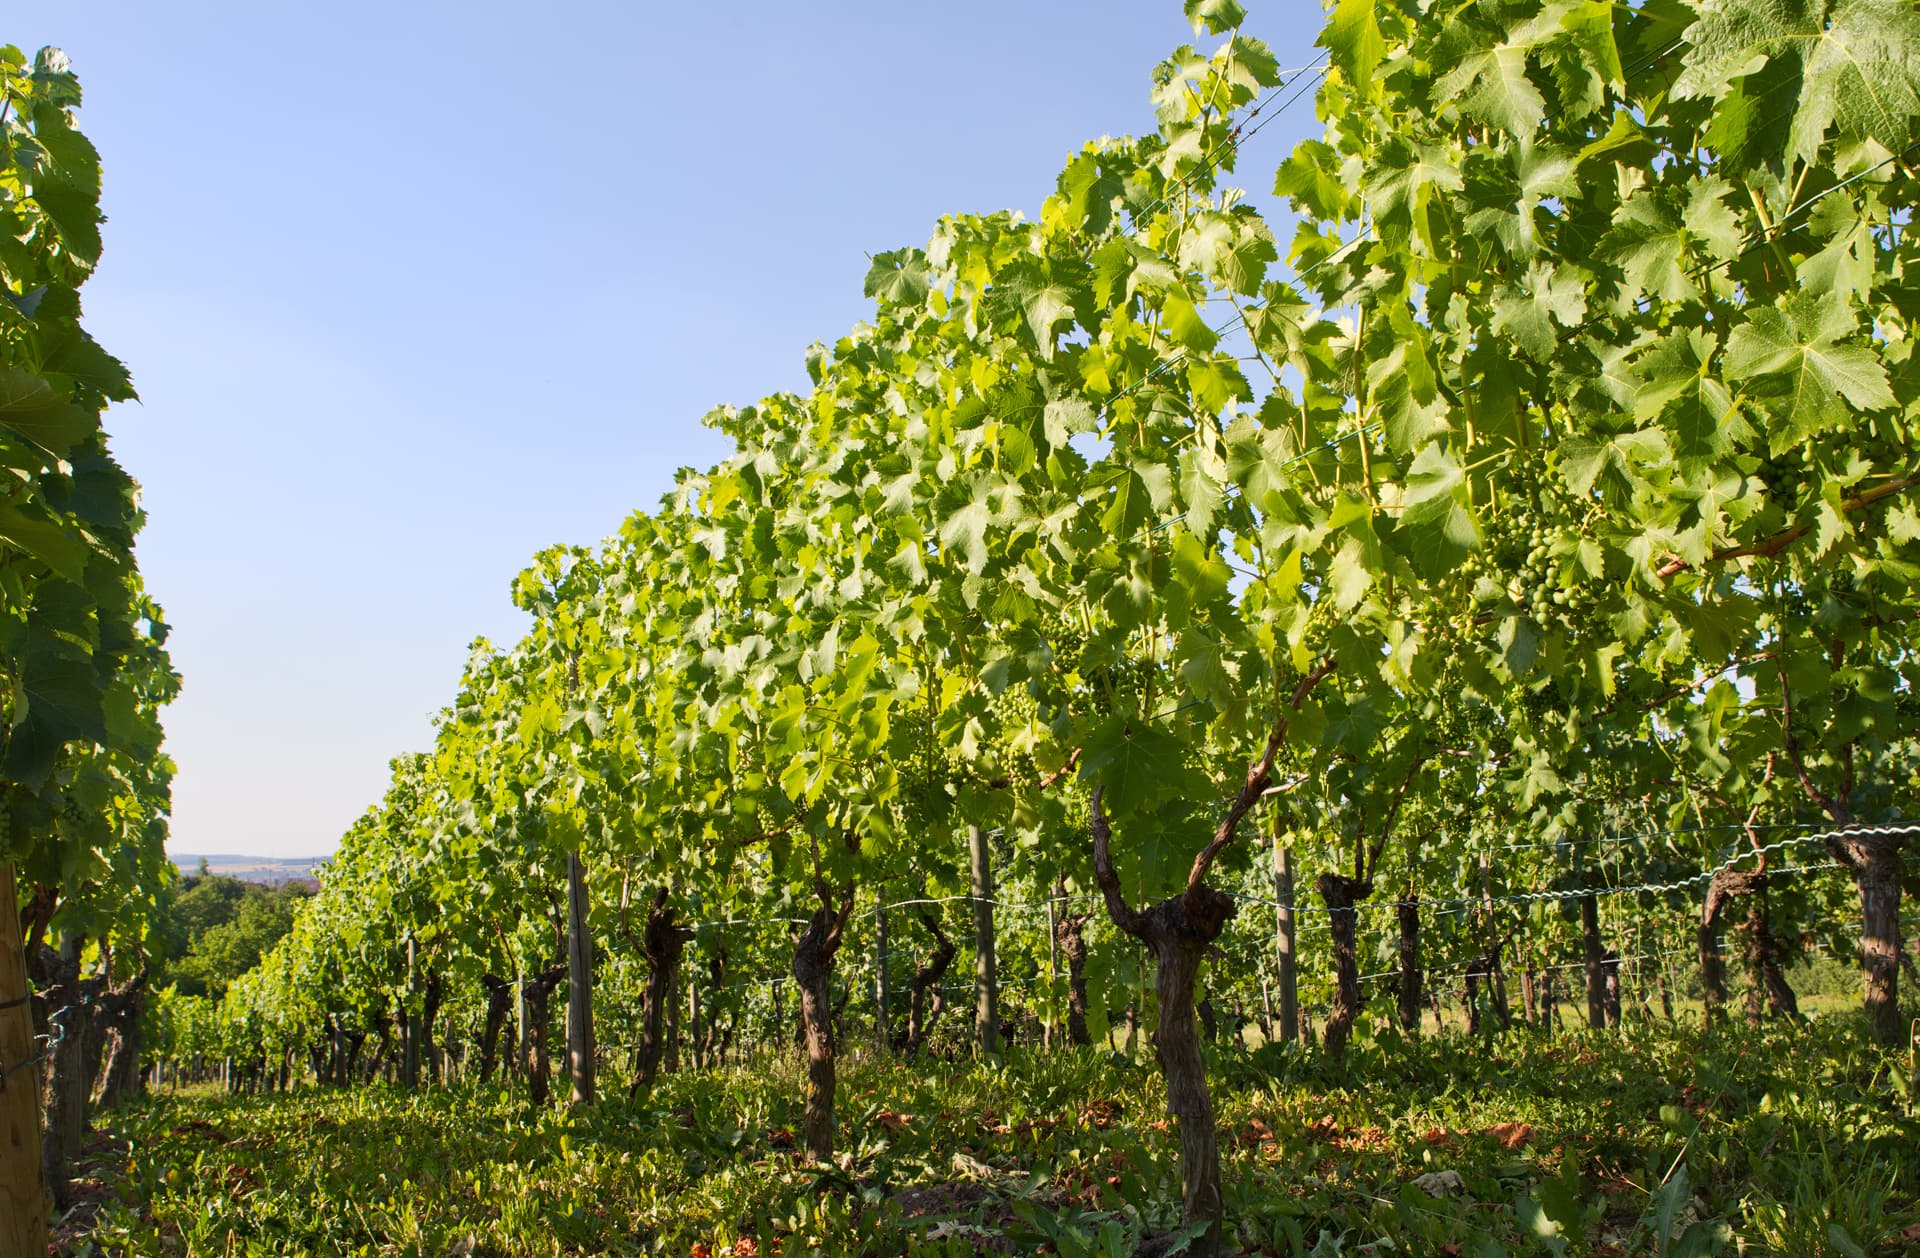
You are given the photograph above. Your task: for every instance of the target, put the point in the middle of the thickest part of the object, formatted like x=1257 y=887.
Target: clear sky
x=411 y=290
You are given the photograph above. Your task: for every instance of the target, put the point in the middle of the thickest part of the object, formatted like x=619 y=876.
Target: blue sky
x=412 y=290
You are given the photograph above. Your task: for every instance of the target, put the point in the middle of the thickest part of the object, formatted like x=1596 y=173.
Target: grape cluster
x=1531 y=559
x=71 y=814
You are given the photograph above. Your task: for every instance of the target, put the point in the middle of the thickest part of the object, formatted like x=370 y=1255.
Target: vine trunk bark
x=1876 y=863
x=1180 y=939
x=119 y=1022
x=1713 y=962
x=535 y=998
x=662 y=944
x=1408 y=911
x=1340 y=893
x=64 y=1093
x=924 y=1001
x=1767 y=987
x=813 y=955
x=1070 y=933
x=499 y=1005
x=1594 y=953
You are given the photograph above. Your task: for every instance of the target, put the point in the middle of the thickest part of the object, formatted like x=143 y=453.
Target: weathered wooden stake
x=986 y=1011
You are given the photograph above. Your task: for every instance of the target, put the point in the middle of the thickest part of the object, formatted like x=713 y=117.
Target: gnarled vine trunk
x=1872 y=855
x=356 y=1041
x=1178 y=931
x=1070 y=933
x=1876 y=864
x=1767 y=989
x=120 y=1012
x=1594 y=953
x=813 y=954
x=1340 y=893
x=535 y=999
x=499 y=1005
x=1408 y=912
x=661 y=943
x=68 y=1013
x=1485 y=970
x=1764 y=975
x=1180 y=937
x=924 y=1000
x=1713 y=963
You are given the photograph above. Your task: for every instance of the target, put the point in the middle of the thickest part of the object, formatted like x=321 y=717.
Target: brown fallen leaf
x=1511 y=1135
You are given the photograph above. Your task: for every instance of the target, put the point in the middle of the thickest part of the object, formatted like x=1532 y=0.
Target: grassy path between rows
x=1788 y=1140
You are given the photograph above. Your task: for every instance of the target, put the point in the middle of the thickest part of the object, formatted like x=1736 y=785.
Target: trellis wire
x=53 y=1042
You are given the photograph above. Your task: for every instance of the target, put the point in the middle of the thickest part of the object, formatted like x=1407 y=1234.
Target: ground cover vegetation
x=1580 y=1142
x=1262 y=655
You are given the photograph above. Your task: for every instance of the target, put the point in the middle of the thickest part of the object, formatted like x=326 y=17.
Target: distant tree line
x=208 y=929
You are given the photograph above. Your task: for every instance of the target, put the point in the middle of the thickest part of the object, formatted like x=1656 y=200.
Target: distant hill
x=270 y=871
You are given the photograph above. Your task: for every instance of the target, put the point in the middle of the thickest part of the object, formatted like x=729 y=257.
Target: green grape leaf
x=1214 y=16
x=1491 y=86
x=965 y=532
x=30 y=408
x=1436 y=530
x=57 y=547
x=1854 y=64
x=1137 y=764
x=1186 y=326
x=1796 y=347
x=899 y=277
x=1353 y=39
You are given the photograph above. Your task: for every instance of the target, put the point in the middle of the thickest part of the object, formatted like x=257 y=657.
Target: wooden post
x=579 y=983
x=519 y=1055
x=880 y=1029
x=579 y=956
x=410 y=1025
x=695 y=1043
x=1496 y=969
x=986 y=1010
x=1287 y=971
x=1053 y=968
x=23 y=1197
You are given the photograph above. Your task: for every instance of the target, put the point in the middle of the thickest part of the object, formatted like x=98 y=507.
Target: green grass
x=1791 y=1141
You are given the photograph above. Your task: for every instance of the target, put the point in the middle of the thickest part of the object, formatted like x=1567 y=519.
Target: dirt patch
x=968 y=1212
x=925 y=1201
x=96 y=1182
